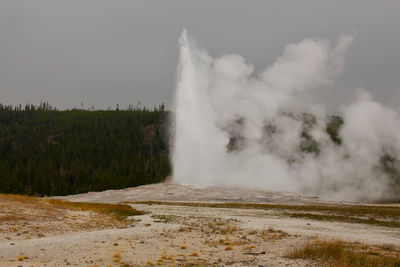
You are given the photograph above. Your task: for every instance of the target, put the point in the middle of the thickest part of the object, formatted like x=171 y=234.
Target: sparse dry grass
x=229 y=229
x=381 y=210
x=166 y=218
x=13 y=217
x=23 y=217
x=21 y=258
x=343 y=218
x=219 y=226
x=225 y=242
x=16 y=197
x=117 y=255
x=339 y=253
x=17 y=208
x=382 y=215
x=119 y=211
x=272 y=235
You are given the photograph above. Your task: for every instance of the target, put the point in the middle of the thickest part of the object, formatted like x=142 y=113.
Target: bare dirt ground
x=35 y=233
x=176 y=192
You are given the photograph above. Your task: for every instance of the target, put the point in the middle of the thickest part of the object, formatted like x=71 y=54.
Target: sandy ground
x=171 y=235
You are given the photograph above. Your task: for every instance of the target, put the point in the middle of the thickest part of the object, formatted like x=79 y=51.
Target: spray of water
x=237 y=128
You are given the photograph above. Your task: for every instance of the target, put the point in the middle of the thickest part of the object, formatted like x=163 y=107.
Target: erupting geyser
x=236 y=128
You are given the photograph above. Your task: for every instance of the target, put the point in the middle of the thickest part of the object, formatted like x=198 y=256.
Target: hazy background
x=122 y=51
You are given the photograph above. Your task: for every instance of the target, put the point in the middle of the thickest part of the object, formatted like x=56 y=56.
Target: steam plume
x=237 y=128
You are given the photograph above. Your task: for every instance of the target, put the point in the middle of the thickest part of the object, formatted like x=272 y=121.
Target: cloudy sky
x=123 y=51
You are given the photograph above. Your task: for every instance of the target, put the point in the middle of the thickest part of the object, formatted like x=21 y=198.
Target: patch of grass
x=342 y=218
x=21 y=258
x=339 y=253
x=224 y=242
x=272 y=235
x=15 y=197
x=117 y=255
x=119 y=211
x=383 y=215
x=196 y=263
x=381 y=210
x=13 y=217
x=219 y=226
x=229 y=229
x=185 y=229
x=14 y=208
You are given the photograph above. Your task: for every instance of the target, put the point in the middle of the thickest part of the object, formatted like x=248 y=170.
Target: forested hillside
x=44 y=151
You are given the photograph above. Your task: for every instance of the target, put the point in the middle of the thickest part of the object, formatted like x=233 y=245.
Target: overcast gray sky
x=119 y=51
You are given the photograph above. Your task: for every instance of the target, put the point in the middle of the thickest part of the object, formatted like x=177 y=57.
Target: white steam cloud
x=237 y=128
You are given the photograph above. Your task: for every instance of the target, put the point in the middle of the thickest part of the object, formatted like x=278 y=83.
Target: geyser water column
x=237 y=128
x=198 y=142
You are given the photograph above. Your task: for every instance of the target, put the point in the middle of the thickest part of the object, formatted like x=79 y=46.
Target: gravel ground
x=172 y=235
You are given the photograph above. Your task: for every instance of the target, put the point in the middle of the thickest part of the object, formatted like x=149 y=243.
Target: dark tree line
x=44 y=151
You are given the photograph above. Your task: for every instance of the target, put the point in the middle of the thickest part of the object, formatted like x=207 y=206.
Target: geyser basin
x=236 y=128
